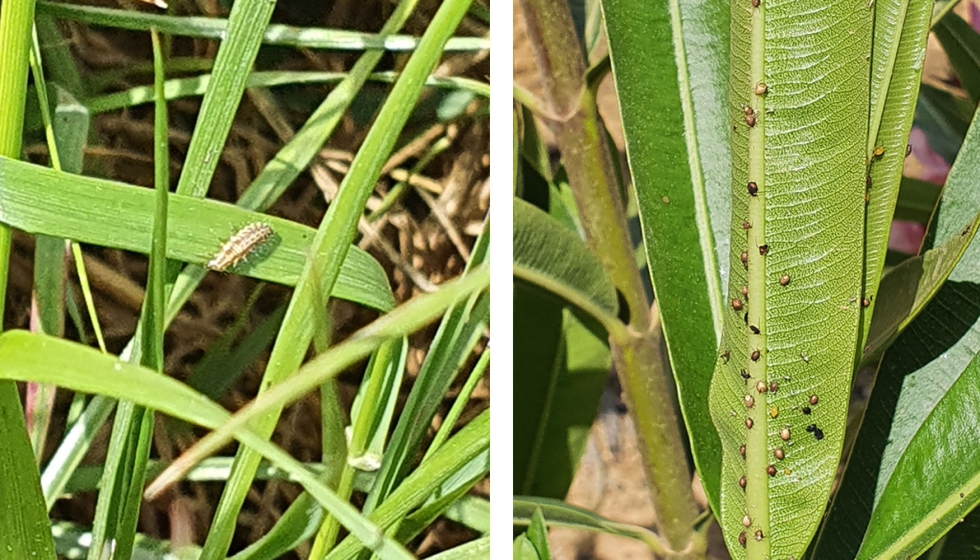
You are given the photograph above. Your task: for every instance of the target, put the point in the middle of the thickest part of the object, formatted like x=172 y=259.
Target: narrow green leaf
x=909 y=287
x=523 y=549
x=110 y=214
x=217 y=29
x=479 y=548
x=548 y=254
x=900 y=32
x=537 y=533
x=22 y=513
x=559 y=514
x=232 y=65
x=26 y=533
x=190 y=87
x=799 y=118
x=669 y=60
x=945 y=479
x=560 y=369
x=31 y=357
x=929 y=356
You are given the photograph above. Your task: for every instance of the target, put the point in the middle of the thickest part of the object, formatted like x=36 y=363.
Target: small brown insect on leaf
x=741 y=451
x=761 y=386
x=761 y=88
x=779 y=454
x=754 y=329
x=746 y=521
x=763 y=249
x=753 y=188
x=784 y=434
x=784 y=280
x=749 y=423
x=741 y=536
x=743 y=482
x=755 y=355
x=771 y=470
x=749 y=401
x=737 y=304
x=746 y=225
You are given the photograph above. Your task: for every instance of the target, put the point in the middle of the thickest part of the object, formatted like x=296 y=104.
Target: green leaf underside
x=543 y=245
x=110 y=214
x=807 y=155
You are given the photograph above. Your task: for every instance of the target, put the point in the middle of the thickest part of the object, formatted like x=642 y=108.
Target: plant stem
x=592 y=177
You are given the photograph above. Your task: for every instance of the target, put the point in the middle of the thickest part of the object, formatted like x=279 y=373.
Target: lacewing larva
x=240 y=246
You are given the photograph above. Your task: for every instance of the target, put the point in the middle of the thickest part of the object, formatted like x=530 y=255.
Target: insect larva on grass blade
x=240 y=246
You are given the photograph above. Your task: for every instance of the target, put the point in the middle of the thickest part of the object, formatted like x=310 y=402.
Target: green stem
x=592 y=177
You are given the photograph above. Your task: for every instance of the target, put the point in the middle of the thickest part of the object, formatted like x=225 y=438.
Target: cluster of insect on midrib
x=242 y=244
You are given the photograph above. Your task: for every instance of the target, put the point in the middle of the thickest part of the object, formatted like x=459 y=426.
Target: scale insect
x=240 y=246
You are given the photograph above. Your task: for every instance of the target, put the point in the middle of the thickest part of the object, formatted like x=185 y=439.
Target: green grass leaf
x=110 y=214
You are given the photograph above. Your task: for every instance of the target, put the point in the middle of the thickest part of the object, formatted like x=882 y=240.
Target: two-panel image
x=248 y=270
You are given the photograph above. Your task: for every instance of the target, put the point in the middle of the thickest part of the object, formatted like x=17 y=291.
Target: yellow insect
x=240 y=246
